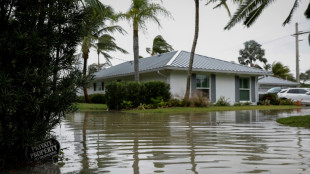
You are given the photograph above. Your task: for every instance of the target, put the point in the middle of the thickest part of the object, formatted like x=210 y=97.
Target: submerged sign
x=43 y=150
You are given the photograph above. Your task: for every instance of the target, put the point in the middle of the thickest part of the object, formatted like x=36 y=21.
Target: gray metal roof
x=269 y=80
x=178 y=60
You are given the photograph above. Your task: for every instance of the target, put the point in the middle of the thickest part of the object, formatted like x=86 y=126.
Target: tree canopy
x=38 y=76
x=160 y=45
x=252 y=53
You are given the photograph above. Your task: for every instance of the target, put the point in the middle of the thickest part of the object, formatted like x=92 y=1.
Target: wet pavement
x=213 y=142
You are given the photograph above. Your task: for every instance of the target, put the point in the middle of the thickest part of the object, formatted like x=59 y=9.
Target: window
x=99 y=86
x=244 y=89
x=203 y=85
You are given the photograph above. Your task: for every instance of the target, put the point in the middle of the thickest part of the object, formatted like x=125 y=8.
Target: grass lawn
x=296 y=121
x=91 y=106
x=211 y=108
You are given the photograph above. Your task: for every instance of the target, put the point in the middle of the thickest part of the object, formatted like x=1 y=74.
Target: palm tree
x=307 y=14
x=192 y=54
x=160 y=46
x=249 y=11
x=139 y=13
x=92 y=28
x=105 y=44
x=191 y=59
x=281 y=71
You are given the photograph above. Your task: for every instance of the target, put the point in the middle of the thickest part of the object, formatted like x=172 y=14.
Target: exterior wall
x=225 y=84
x=177 y=80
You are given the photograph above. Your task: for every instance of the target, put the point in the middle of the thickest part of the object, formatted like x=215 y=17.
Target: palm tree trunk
x=191 y=60
x=85 y=57
x=136 y=53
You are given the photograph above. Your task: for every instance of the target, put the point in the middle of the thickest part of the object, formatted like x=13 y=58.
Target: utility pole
x=297 y=55
x=297 y=51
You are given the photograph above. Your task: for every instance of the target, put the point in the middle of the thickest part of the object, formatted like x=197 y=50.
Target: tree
x=38 y=77
x=281 y=71
x=105 y=44
x=305 y=76
x=249 y=11
x=191 y=59
x=192 y=54
x=160 y=46
x=139 y=13
x=251 y=53
x=93 y=28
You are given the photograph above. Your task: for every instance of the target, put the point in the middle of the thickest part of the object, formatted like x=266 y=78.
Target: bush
x=222 y=102
x=198 y=100
x=97 y=98
x=242 y=104
x=137 y=94
x=270 y=98
x=286 y=102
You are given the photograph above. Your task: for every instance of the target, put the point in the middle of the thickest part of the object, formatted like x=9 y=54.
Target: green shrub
x=97 y=98
x=175 y=103
x=136 y=93
x=286 y=102
x=273 y=99
x=222 y=102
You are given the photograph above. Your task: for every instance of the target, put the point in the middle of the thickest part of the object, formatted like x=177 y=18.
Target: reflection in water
x=217 y=142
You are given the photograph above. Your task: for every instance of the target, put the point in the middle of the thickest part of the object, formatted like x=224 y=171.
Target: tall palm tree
x=192 y=54
x=160 y=46
x=104 y=45
x=249 y=11
x=191 y=59
x=139 y=13
x=92 y=28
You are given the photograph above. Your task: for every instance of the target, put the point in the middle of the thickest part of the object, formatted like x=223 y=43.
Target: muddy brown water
x=213 y=142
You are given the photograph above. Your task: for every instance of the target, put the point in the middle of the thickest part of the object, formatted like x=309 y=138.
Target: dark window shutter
x=213 y=88
x=95 y=86
x=237 y=89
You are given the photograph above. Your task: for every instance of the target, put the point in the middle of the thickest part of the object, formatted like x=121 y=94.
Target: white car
x=296 y=94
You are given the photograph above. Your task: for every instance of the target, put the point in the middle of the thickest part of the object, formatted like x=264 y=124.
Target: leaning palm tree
x=280 y=71
x=93 y=27
x=139 y=13
x=192 y=54
x=160 y=45
x=105 y=44
x=249 y=11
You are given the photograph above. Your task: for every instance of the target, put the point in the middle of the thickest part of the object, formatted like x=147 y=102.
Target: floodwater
x=213 y=142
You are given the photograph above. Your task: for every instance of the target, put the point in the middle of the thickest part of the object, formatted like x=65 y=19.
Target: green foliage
x=243 y=104
x=160 y=46
x=270 y=98
x=136 y=93
x=126 y=104
x=38 y=78
x=286 y=102
x=97 y=98
x=251 y=53
x=222 y=102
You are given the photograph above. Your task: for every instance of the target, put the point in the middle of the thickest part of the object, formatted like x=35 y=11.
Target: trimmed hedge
x=135 y=93
x=93 y=98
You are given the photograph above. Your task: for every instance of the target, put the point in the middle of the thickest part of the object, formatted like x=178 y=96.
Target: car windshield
x=274 y=90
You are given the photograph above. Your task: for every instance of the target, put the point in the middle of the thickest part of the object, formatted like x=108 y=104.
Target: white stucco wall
x=177 y=81
x=225 y=86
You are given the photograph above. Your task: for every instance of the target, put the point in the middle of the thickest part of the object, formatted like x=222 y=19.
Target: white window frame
x=209 y=83
x=245 y=89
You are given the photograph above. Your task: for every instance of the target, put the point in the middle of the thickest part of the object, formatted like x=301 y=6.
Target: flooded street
x=215 y=142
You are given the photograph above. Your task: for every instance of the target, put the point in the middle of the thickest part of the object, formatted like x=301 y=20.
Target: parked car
x=296 y=94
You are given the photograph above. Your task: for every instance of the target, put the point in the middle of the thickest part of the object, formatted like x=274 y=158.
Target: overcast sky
x=213 y=40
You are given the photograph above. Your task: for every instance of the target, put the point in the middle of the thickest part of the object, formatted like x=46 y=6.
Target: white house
x=216 y=78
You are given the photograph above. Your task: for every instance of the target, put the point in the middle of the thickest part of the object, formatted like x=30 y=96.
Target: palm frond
x=288 y=19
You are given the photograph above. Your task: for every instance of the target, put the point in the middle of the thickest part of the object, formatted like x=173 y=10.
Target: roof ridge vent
x=173 y=58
